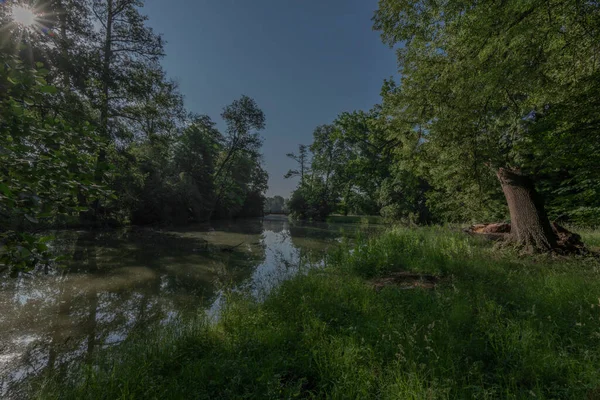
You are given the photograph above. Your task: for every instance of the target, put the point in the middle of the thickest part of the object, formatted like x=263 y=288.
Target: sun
x=23 y=15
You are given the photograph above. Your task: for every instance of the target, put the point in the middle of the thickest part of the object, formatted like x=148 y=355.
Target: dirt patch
x=406 y=280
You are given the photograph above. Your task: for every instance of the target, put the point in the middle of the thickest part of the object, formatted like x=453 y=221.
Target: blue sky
x=303 y=61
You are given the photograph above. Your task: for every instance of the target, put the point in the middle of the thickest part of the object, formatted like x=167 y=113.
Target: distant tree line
x=275 y=205
x=93 y=132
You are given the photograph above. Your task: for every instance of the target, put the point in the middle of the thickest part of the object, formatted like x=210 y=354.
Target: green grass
x=497 y=326
x=591 y=237
x=355 y=219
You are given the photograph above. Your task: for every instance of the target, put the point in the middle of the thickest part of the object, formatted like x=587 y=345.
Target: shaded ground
x=405 y=280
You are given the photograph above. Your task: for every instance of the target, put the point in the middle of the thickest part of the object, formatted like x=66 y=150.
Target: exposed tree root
x=567 y=242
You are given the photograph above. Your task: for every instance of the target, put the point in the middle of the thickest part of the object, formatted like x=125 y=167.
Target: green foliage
x=484 y=86
x=45 y=162
x=276 y=204
x=98 y=116
x=239 y=175
x=354 y=156
x=496 y=326
x=311 y=201
x=188 y=176
x=363 y=171
x=402 y=197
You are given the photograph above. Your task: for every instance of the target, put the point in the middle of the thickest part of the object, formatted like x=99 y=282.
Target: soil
x=406 y=280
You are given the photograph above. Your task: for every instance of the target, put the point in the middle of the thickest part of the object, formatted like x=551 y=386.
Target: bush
x=310 y=202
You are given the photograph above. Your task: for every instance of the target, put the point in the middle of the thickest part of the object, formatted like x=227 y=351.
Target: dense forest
x=94 y=133
x=494 y=118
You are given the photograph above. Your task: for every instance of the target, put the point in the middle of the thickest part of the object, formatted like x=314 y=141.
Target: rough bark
x=530 y=226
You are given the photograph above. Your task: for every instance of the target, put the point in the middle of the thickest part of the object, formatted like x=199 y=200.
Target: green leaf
x=45 y=239
x=5 y=190
x=48 y=89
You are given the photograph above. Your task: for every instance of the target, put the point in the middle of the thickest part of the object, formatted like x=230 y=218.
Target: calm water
x=116 y=283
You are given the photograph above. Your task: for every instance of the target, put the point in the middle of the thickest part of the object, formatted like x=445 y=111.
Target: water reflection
x=118 y=282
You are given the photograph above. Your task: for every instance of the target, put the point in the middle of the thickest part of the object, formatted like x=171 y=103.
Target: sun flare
x=23 y=15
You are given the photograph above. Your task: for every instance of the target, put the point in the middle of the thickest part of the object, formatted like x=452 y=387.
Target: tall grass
x=497 y=326
x=591 y=237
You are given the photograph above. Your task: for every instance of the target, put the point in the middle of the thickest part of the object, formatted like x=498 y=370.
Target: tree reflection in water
x=120 y=282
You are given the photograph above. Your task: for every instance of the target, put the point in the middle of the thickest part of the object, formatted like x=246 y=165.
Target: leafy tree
x=370 y=155
x=312 y=198
x=329 y=158
x=158 y=107
x=403 y=197
x=352 y=157
x=501 y=89
x=44 y=163
x=310 y=202
x=127 y=49
x=195 y=155
x=240 y=159
x=101 y=113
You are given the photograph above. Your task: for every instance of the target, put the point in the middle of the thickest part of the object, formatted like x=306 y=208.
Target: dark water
x=120 y=282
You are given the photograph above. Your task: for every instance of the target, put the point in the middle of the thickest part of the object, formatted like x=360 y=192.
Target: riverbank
x=489 y=325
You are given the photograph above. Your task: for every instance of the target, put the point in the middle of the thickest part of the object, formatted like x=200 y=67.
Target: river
x=116 y=283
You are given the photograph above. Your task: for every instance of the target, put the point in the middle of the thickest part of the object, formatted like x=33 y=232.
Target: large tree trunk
x=530 y=226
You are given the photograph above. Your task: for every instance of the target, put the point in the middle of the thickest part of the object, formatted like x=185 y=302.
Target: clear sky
x=303 y=61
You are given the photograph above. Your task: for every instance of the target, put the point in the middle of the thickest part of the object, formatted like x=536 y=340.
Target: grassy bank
x=496 y=326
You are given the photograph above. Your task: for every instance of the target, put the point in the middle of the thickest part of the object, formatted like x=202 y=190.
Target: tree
x=302 y=159
x=126 y=48
x=239 y=163
x=499 y=89
x=309 y=202
x=44 y=163
x=275 y=205
x=402 y=197
x=86 y=106
x=195 y=155
x=370 y=157
x=329 y=158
